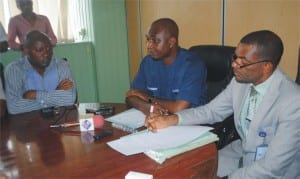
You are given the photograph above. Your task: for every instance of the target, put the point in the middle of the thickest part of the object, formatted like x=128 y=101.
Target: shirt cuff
x=41 y=98
x=179 y=119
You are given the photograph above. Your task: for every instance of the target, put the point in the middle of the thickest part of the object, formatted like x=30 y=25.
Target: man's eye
x=156 y=41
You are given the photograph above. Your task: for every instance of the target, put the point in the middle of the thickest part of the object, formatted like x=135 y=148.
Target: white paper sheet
x=163 y=139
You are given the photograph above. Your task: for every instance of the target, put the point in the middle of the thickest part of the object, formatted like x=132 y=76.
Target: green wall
x=111 y=49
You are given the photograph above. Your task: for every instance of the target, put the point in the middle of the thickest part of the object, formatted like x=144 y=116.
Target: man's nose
x=149 y=44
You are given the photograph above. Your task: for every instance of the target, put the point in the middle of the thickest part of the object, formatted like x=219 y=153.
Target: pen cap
x=98 y=121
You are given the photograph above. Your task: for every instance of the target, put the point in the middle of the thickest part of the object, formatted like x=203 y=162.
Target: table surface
x=29 y=148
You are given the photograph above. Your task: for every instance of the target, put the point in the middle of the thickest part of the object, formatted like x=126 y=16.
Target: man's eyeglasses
x=234 y=57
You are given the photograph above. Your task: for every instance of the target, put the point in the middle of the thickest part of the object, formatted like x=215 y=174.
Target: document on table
x=161 y=155
x=131 y=118
x=143 y=141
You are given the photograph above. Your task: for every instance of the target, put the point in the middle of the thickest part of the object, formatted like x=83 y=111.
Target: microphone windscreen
x=98 y=121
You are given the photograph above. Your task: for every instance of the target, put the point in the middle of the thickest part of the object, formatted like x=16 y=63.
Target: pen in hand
x=151 y=114
x=151 y=111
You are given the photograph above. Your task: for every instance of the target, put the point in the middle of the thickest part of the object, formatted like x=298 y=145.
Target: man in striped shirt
x=38 y=80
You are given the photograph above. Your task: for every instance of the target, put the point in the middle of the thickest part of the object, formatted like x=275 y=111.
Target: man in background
x=170 y=77
x=25 y=22
x=266 y=107
x=38 y=80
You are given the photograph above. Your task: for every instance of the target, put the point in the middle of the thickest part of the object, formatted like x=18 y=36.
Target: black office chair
x=2 y=75
x=219 y=73
x=298 y=73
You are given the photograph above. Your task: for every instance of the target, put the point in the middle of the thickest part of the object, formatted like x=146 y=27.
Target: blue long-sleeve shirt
x=18 y=79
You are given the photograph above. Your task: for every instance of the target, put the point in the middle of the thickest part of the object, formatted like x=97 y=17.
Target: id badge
x=260 y=151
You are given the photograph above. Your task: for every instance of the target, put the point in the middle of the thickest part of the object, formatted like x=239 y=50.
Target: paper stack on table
x=165 y=143
x=128 y=120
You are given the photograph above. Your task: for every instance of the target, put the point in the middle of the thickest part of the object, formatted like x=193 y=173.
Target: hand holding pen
x=155 y=122
x=151 y=119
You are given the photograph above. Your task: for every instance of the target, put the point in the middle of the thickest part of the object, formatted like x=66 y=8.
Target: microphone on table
x=96 y=121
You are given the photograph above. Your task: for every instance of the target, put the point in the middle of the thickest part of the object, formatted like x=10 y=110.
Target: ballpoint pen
x=151 y=113
x=65 y=125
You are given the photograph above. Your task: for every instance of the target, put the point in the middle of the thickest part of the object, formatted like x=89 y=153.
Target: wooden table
x=29 y=148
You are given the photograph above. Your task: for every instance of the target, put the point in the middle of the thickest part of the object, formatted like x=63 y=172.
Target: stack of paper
x=160 y=155
x=128 y=120
x=165 y=143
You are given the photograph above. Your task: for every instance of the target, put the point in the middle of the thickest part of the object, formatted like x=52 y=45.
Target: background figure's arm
x=50 y=32
x=12 y=34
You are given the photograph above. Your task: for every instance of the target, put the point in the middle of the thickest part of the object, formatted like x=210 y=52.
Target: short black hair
x=269 y=45
x=169 y=24
x=19 y=2
x=34 y=36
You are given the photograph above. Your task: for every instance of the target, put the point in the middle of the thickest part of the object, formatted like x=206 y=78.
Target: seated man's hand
x=156 y=122
x=133 y=92
x=65 y=85
x=31 y=94
x=158 y=109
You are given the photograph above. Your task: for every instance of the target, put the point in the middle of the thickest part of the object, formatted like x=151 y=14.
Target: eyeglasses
x=234 y=57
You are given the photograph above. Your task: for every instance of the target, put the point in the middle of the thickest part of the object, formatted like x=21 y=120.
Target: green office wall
x=111 y=49
x=80 y=57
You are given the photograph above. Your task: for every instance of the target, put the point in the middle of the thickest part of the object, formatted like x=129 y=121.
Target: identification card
x=261 y=151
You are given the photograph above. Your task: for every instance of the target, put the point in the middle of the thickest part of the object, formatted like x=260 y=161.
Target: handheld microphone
x=98 y=121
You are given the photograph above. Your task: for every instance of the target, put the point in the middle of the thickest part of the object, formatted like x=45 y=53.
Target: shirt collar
x=263 y=87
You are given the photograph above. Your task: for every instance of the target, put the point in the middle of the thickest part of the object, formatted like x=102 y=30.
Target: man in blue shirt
x=169 y=77
x=38 y=80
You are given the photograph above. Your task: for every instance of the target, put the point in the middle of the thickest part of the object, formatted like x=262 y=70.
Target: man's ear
x=25 y=51
x=269 y=67
x=172 y=42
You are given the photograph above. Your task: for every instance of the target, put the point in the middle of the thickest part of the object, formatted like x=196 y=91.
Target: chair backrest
x=218 y=60
x=298 y=73
x=2 y=75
